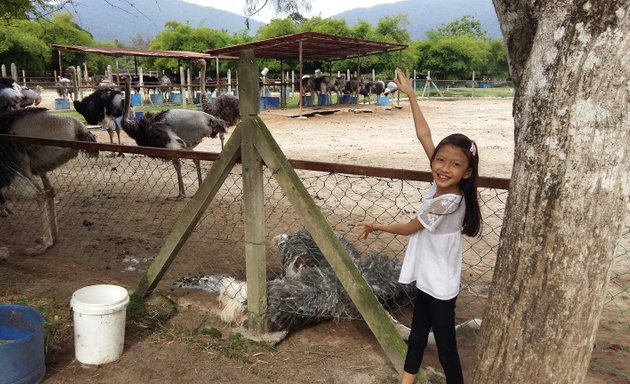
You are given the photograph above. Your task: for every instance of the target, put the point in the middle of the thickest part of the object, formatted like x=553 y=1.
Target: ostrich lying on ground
x=307 y=291
x=25 y=161
x=102 y=107
x=13 y=96
x=172 y=129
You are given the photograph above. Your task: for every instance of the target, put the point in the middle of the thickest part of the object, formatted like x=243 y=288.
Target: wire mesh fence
x=113 y=213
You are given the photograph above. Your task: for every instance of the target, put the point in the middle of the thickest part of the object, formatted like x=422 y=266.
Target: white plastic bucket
x=99 y=323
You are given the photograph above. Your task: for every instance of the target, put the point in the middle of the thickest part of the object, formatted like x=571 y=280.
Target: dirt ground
x=193 y=345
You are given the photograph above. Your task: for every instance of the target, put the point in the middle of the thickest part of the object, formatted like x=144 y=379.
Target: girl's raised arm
x=422 y=127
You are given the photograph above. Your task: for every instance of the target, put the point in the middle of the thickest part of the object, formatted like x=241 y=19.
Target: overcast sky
x=323 y=8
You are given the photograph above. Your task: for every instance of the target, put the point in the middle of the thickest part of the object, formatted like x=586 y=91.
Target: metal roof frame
x=311 y=46
x=117 y=52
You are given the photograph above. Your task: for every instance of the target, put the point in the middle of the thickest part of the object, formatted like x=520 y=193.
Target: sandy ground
x=384 y=136
x=179 y=349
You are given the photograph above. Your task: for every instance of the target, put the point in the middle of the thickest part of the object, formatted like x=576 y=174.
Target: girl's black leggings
x=439 y=315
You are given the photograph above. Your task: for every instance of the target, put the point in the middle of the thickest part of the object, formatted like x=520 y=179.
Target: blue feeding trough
x=323 y=100
x=22 y=358
x=62 y=104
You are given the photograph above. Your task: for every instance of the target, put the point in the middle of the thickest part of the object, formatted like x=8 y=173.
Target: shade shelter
x=118 y=52
x=310 y=46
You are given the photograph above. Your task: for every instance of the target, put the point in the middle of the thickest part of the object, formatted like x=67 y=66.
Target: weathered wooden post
x=14 y=74
x=253 y=195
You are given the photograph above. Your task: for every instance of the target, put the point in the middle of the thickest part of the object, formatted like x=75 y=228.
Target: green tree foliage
x=277 y=27
x=465 y=25
x=18 y=45
x=497 y=64
x=455 y=50
x=453 y=57
x=452 y=51
x=28 y=44
x=12 y=10
x=182 y=37
x=329 y=26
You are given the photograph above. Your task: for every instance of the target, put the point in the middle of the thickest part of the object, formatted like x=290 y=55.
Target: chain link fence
x=113 y=214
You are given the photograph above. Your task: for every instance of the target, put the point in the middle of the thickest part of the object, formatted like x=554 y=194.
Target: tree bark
x=569 y=191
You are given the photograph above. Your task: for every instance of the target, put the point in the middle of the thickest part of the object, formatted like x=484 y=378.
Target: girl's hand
x=403 y=82
x=367 y=227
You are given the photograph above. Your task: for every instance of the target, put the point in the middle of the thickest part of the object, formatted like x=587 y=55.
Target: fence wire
x=113 y=214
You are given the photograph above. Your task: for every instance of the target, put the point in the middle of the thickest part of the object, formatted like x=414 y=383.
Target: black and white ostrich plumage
x=307 y=291
x=14 y=96
x=390 y=89
x=102 y=107
x=378 y=87
x=173 y=129
x=26 y=161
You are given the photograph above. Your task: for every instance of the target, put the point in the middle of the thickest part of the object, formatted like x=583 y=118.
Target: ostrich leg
x=198 y=165
x=46 y=203
x=180 y=182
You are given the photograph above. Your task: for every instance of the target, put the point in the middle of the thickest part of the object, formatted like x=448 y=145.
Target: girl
x=434 y=256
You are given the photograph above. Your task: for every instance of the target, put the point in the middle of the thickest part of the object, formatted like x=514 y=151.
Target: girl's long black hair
x=472 y=217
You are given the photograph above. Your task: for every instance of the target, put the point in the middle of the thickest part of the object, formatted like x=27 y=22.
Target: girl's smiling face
x=449 y=166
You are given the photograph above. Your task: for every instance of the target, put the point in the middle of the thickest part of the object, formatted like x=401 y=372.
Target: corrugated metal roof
x=315 y=46
x=140 y=52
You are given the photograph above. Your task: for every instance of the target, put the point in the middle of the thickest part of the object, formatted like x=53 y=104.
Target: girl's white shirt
x=434 y=254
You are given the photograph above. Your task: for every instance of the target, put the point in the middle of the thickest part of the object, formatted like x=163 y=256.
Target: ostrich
x=353 y=87
x=390 y=89
x=173 y=129
x=13 y=96
x=224 y=107
x=25 y=161
x=63 y=87
x=308 y=87
x=378 y=87
x=326 y=85
x=366 y=91
x=307 y=291
x=102 y=107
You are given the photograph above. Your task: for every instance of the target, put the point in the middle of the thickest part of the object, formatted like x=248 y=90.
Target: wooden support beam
x=315 y=222
x=253 y=196
x=190 y=215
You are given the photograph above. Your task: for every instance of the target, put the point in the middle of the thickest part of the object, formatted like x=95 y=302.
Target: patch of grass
x=151 y=313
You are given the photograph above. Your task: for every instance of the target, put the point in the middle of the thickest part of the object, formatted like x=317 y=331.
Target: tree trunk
x=569 y=191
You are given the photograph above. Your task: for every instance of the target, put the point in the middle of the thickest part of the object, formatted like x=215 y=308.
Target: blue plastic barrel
x=382 y=100
x=62 y=104
x=323 y=100
x=136 y=99
x=175 y=98
x=307 y=101
x=157 y=98
x=21 y=345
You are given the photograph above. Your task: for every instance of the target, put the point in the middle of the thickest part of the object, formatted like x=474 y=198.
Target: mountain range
x=122 y=20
